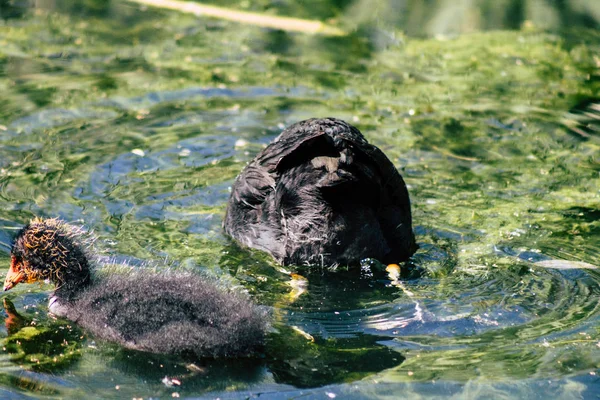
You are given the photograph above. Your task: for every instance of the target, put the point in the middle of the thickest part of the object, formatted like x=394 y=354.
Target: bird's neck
x=72 y=279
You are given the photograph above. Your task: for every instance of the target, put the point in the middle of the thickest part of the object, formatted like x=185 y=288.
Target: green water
x=134 y=122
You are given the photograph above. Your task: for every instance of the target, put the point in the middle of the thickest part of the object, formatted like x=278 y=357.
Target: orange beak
x=14 y=275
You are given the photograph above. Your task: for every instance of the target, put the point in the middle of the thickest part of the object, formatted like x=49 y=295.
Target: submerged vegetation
x=134 y=121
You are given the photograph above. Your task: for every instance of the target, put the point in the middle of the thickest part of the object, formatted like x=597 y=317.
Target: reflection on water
x=135 y=122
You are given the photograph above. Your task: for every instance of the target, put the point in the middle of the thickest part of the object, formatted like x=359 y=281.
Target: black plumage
x=169 y=312
x=320 y=194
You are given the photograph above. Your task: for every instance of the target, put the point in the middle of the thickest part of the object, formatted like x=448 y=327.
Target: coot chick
x=320 y=194
x=170 y=313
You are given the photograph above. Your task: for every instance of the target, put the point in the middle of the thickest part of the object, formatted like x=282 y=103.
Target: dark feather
x=321 y=194
x=168 y=312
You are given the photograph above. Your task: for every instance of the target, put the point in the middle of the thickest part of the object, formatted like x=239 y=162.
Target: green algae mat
x=134 y=120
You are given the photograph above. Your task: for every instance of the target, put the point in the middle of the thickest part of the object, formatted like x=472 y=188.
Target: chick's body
x=171 y=313
x=167 y=314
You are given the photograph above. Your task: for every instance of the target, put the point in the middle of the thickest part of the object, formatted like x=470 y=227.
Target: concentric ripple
x=542 y=303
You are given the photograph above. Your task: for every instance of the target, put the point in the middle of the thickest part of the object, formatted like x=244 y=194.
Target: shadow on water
x=295 y=360
x=192 y=375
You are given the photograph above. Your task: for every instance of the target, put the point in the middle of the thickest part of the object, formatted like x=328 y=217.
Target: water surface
x=135 y=121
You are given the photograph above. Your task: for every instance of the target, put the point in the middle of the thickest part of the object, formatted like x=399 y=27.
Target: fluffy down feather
x=168 y=312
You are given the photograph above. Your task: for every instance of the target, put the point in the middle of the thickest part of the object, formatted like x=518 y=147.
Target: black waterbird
x=320 y=194
x=170 y=313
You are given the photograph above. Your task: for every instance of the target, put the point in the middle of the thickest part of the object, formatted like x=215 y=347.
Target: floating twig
x=251 y=18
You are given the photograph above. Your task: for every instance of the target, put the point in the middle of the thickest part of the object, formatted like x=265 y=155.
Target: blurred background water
x=134 y=121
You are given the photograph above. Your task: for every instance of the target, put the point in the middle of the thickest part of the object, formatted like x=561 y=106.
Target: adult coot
x=320 y=194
